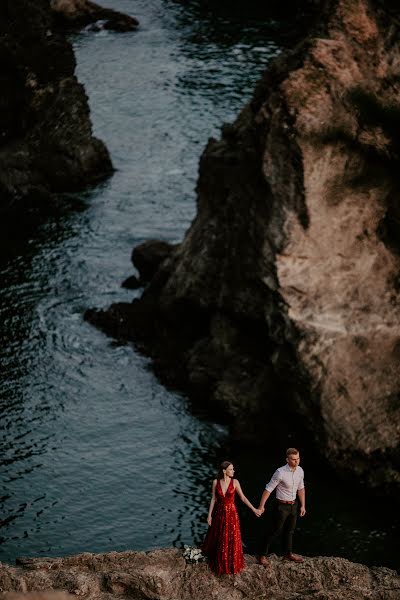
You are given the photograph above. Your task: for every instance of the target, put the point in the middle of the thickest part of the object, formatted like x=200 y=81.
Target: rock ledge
x=165 y=575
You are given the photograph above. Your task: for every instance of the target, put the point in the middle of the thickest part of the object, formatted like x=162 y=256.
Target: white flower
x=192 y=554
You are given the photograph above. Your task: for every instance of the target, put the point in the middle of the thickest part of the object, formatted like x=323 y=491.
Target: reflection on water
x=96 y=455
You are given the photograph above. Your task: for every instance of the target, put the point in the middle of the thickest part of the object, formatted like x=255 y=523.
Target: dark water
x=96 y=454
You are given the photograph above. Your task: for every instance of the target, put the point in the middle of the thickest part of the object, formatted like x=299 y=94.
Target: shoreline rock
x=76 y=14
x=165 y=575
x=46 y=140
x=282 y=301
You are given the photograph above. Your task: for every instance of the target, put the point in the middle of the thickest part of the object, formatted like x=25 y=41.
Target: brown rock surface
x=284 y=295
x=164 y=575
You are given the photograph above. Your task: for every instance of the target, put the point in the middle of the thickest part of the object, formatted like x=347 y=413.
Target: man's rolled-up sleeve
x=275 y=479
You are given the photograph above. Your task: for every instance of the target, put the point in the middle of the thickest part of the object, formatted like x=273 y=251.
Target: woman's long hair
x=224 y=465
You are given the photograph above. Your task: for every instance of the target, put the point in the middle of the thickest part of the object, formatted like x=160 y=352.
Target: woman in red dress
x=223 y=542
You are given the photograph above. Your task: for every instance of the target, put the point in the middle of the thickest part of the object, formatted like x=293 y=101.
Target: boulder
x=76 y=14
x=131 y=283
x=147 y=257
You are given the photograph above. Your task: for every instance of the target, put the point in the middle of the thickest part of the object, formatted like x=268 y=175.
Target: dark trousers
x=284 y=520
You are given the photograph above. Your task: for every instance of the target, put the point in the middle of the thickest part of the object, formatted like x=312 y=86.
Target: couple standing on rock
x=223 y=542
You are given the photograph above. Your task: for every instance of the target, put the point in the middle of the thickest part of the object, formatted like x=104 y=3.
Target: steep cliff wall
x=164 y=575
x=284 y=294
x=46 y=141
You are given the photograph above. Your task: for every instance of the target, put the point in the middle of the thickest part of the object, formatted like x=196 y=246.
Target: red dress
x=223 y=543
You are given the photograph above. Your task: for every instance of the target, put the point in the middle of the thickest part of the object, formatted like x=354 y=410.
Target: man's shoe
x=294 y=557
x=263 y=560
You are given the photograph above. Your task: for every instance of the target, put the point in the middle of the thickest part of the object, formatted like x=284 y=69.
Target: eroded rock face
x=339 y=274
x=164 y=575
x=46 y=141
x=284 y=294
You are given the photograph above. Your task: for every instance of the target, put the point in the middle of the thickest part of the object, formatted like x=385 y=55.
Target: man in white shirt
x=289 y=483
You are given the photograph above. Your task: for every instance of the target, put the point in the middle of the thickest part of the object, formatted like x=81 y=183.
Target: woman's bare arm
x=244 y=499
x=209 y=518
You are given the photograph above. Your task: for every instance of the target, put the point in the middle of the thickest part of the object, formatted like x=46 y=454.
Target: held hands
x=258 y=511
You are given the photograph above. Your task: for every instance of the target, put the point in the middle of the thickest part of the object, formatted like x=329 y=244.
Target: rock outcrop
x=165 y=575
x=75 y=14
x=284 y=295
x=46 y=141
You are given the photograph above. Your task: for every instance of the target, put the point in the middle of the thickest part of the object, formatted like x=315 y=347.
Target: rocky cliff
x=164 y=575
x=283 y=298
x=46 y=141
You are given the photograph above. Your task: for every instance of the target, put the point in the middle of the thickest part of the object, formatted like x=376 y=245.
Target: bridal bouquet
x=193 y=555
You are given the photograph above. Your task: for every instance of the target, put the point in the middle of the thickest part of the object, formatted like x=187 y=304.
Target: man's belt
x=286 y=501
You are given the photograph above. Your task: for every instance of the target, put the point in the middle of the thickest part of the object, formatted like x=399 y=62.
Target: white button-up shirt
x=287 y=482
